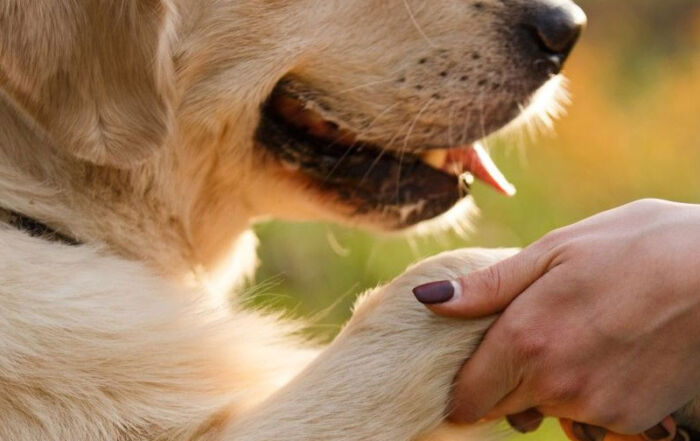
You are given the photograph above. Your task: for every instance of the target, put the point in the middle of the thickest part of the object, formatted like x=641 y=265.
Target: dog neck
x=153 y=214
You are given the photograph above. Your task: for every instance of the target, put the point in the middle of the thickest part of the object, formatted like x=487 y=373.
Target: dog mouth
x=402 y=187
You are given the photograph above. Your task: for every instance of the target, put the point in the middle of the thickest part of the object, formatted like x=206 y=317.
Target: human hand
x=601 y=322
x=667 y=430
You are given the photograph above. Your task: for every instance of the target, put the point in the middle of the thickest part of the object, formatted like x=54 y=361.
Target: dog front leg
x=94 y=347
x=388 y=375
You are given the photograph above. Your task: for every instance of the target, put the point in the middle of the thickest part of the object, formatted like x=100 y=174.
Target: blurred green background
x=633 y=131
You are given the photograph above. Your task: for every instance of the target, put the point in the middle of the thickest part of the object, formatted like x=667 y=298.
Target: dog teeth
x=291 y=166
x=467 y=178
x=435 y=158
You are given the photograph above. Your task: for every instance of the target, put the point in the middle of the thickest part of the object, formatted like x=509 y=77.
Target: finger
x=583 y=432
x=527 y=421
x=567 y=426
x=486 y=291
x=485 y=379
x=516 y=402
x=612 y=436
x=664 y=431
x=492 y=380
x=586 y=432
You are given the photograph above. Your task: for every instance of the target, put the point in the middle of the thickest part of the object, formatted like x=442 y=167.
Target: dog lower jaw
x=370 y=183
x=385 y=189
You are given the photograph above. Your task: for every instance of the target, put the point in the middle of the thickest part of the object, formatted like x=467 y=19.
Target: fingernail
x=526 y=422
x=657 y=432
x=586 y=432
x=436 y=292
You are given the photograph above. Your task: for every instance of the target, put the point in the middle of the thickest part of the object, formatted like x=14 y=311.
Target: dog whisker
x=383 y=151
x=416 y=24
x=359 y=137
x=404 y=147
x=450 y=134
x=363 y=86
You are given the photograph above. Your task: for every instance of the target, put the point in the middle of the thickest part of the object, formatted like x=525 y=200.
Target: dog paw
x=412 y=353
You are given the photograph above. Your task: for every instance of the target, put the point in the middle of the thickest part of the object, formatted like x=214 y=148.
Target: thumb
x=486 y=291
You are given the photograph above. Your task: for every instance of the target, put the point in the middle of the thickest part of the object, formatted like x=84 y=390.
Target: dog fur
x=129 y=124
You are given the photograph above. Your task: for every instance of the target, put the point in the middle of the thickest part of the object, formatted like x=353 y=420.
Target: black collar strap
x=35 y=228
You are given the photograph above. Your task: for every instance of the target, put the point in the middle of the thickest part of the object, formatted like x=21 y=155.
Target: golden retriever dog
x=140 y=139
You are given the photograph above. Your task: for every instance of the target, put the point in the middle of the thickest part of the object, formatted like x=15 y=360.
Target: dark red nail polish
x=657 y=432
x=435 y=293
x=526 y=422
x=586 y=432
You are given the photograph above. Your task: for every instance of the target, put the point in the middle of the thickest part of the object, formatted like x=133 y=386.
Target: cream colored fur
x=129 y=125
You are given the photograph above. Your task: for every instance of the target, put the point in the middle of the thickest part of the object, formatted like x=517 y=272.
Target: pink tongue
x=476 y=160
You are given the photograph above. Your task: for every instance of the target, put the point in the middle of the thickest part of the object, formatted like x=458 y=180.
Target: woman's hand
x=601 y=322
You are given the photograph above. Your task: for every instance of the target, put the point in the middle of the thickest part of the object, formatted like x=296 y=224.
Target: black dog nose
x=557 y=27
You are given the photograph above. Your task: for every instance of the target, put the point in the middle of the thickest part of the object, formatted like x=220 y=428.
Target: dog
x=140 y=139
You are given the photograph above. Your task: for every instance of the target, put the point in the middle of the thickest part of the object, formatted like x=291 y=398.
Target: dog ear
x=96 y=74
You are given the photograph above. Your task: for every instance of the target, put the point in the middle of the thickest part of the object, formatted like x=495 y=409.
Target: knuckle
x=554 y=237
x=464 y=412
x=576 y=248
x=488 y=280
x=647 y=204
x=601 y=412
x=629 y=423
x=528 y=344
x=552 y=247
x=510 y=330
x=559 y=389
x=573 y=280
x=599 y=417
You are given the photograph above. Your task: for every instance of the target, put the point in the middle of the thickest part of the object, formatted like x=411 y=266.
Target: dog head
x=369 y=110
x=359 y=111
